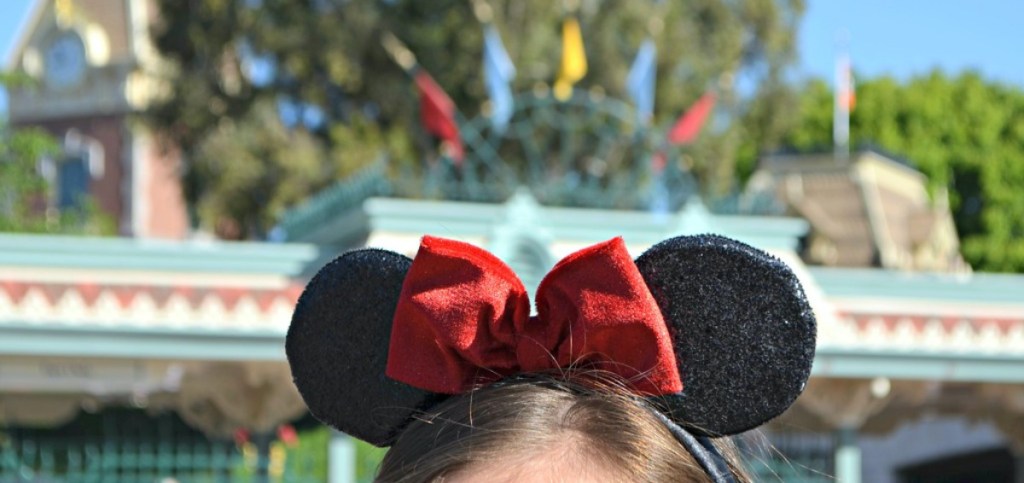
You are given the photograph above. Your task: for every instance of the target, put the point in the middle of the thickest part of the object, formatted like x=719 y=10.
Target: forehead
x=545 y=467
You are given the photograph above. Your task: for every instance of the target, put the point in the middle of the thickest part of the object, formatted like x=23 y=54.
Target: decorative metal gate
x=129 y=445
x=790 y=457
x=586 y=151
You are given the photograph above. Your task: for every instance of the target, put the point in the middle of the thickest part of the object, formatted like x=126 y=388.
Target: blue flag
x=498 y=74
x=640 y=83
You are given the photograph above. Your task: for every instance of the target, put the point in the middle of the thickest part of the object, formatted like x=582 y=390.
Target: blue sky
x=900 y=38
x=907 y=37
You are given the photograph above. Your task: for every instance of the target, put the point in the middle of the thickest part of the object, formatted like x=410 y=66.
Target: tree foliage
x=322 y=64
x=965 y=133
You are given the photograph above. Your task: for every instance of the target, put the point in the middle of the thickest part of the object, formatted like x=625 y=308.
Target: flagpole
x=482 y=11
x=398 y=52
x=841 y=101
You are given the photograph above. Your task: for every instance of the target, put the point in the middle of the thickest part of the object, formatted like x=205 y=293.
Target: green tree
x=24 y=191
x=965 y=133
x=322 y=62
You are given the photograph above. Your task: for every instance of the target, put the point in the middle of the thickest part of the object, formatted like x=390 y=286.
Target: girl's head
x=541 y=429
x=442 y=358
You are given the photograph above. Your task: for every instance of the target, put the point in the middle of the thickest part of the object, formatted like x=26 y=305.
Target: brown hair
x=596 y=422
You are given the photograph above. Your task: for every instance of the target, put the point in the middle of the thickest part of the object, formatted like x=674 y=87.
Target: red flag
x=845 y=88
x=688 y=126
x=437 y=112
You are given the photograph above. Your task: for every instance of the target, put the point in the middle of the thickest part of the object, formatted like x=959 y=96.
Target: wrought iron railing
x=789 y=457
x=586 y=151
x=127 y=445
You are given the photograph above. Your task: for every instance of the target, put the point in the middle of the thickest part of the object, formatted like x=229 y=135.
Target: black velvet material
x=742 y=329
x=337 y=346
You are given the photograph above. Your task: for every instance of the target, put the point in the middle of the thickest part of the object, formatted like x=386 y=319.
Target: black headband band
x=702 y=450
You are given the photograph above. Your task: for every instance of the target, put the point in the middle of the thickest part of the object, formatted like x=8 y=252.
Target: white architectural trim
x=139 y=143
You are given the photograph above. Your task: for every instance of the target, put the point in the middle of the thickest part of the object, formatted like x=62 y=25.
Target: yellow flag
x=574 y=59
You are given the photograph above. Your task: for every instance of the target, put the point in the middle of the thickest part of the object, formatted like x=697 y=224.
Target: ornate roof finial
x=63 y=11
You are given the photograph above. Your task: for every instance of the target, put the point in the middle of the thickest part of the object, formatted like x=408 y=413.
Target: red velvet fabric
x=463 y=319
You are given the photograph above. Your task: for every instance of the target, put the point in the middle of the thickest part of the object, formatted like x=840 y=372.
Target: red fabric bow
x=463 y=318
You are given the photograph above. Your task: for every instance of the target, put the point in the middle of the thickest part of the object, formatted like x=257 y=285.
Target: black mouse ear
x=337 y=346
x=742 y=330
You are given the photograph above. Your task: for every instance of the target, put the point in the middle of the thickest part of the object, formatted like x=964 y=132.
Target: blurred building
x=95 y=67
x=868 y=210
x=132 y=359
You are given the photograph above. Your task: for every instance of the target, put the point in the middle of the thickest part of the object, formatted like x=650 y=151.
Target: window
x=71 y=176
x=72 y=182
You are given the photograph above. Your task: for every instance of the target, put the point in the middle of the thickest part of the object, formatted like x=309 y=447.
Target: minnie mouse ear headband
x=714 y=333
